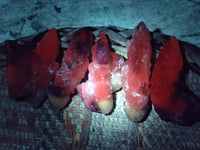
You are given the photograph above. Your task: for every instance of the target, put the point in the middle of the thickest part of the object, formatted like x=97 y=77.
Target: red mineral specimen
x=46 y=52
x=73 y=68
x=165 y=73
x=48 y=49
x=136 y=74
x=172 y=101
x=29 y=71
x=96 y=93
x=19 y=73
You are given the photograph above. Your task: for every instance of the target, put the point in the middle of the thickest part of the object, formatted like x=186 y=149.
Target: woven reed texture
x=23 y=127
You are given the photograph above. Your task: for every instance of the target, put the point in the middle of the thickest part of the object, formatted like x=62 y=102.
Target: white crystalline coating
x=125 y=69
x=126 y=85
x=61 y=71
x=85 y=93
x=128 y=44
x=51 y=71
x=121 y=62
x=135 y=94
x=90 y=87
x=145 y=59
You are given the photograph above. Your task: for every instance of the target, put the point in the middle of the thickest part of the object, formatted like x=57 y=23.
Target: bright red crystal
x=173 y=101
x=165 y=74
x=74 y=64
x=96 y=93
x=46 y=52
x=100 y=75
x=136 y=71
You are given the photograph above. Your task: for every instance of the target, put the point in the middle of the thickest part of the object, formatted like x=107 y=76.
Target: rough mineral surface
x=30 y=71
x=172 y=100
x=136 y=73
x=74 y=64
x=96 y=93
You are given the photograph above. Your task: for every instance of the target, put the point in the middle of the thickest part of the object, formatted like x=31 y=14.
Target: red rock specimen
x=172 y=101
x=29 y=71
x=136 y=74
x=47 y=52
x=19 y=72
x=96 y=93
x=73 y=68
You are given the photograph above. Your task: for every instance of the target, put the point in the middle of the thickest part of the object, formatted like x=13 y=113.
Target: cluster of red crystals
x=96 y=93
x=30 y=71
x=74 y=64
